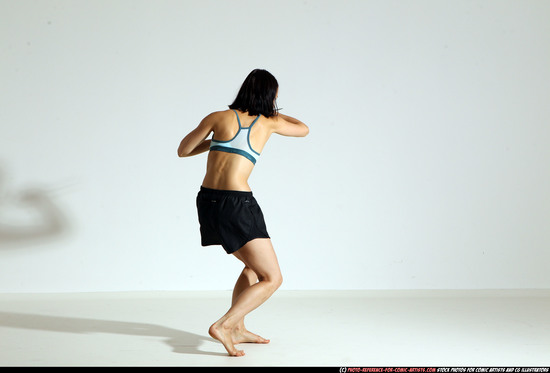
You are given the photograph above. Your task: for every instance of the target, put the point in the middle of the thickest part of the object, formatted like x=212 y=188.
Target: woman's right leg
x=259 y=256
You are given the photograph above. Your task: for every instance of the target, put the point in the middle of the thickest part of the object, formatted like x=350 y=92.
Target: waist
x=208 y=192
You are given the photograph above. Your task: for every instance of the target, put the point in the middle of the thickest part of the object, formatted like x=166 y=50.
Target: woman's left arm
x=195 y=142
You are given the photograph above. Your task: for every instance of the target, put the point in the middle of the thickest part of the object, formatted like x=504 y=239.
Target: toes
x=238 y=353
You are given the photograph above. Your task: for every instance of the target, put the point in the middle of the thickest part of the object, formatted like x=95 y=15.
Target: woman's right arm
x=287 y=126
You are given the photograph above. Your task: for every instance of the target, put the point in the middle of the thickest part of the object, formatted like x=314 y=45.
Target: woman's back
x=228 y=168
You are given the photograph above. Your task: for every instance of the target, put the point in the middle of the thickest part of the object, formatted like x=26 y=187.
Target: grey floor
x=306 y=328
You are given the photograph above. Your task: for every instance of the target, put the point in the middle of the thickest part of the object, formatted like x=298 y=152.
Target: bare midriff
x=227 y=171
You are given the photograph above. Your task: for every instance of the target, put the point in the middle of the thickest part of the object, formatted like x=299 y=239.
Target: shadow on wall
x=28 y=217
x=180 y=341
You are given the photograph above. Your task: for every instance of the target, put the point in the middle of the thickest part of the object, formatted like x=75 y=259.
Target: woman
x=228 y=213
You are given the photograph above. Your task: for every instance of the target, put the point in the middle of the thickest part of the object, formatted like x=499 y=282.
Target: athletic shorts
x=229 y=218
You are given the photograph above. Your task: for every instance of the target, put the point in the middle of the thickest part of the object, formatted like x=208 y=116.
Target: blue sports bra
x=239 y=144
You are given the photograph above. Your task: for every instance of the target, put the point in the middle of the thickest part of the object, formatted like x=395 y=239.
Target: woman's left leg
x=259 y=256
x=240 y=334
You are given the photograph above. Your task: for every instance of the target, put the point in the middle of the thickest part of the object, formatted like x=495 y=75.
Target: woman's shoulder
x=219 y=114
x=217 y=117
x=223 y=117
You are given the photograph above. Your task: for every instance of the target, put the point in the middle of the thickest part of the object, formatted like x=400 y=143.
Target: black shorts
x=229 y=218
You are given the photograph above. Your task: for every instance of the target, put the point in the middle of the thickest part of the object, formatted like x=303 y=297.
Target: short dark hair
x=257 y=94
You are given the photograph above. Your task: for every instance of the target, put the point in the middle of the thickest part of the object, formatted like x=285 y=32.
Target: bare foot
x=217 y=331
x=240 y=335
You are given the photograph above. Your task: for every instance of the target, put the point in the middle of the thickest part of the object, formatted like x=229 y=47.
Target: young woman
x=228 y=213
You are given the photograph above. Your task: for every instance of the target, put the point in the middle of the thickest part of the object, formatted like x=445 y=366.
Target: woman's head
x=257 y=94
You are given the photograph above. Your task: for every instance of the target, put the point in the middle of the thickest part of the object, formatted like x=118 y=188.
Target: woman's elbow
x=182 y=152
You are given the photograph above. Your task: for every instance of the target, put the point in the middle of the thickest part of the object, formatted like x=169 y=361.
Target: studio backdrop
x=427 y=165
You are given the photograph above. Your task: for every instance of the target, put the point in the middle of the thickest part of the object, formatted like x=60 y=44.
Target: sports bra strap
x=239 y=144
x=255 y=120
x=240 y=125
x=238 y=120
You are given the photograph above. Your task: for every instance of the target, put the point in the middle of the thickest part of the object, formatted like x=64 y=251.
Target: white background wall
x=427 y=165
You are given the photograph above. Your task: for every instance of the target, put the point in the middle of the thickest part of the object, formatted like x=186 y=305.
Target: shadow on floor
x=43 y=219
x=180 y=341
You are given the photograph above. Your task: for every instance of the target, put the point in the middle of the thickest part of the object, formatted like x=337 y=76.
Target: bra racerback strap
x=238 y=120
x=255 y=120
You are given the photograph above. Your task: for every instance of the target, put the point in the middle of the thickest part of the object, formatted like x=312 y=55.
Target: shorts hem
x=247 y=241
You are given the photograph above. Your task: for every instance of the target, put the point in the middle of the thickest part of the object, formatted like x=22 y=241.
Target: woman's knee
x=259 y=256
x=278 y=280
x=274 y=279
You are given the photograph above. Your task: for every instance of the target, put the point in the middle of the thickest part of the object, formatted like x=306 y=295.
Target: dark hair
x=257 y=94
